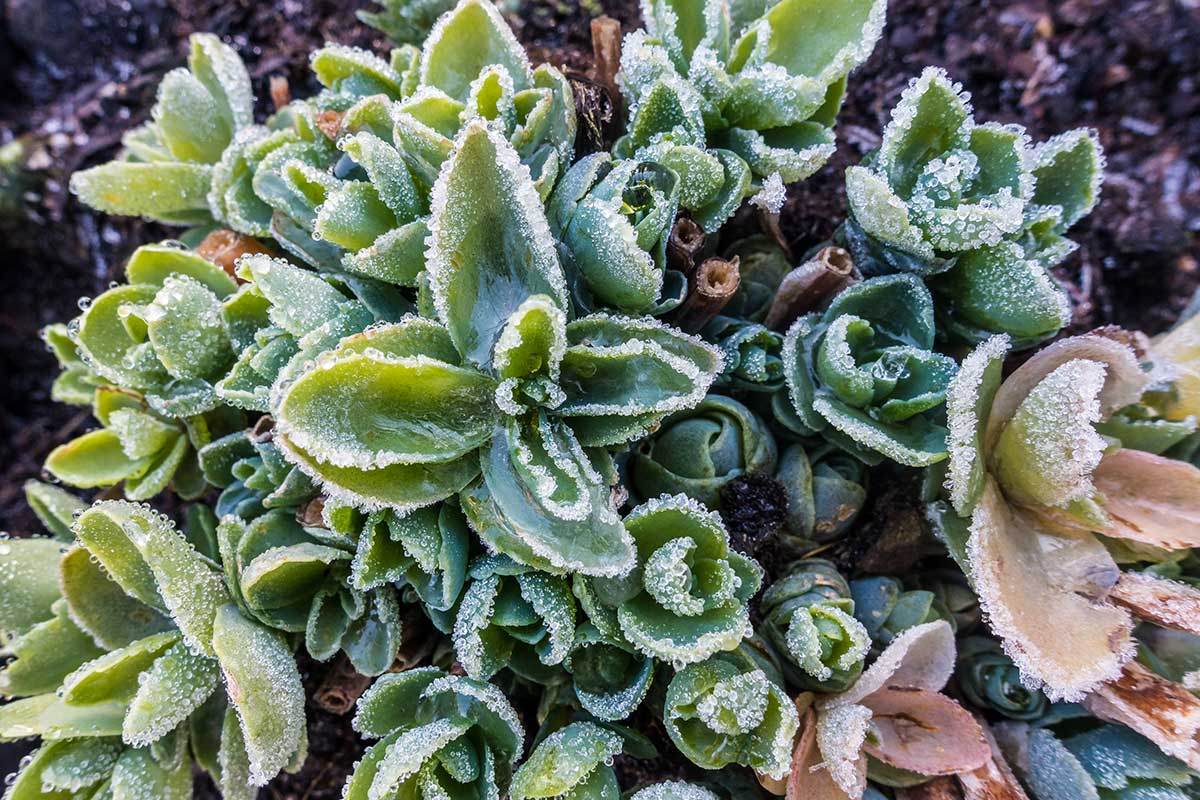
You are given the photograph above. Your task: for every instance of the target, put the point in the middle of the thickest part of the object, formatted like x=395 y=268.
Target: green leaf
x=352 y=71
x=465 y=41
x=78 y=763
x=565 y=760
x=551 y=498
x=139 y=776
x=186 y=326
x=100 y=606
x=114 y=676
x=49 y=717
x=490 y=246
x=168 y=692
x=28 y=582
x=372 y=411
x=811 y=38
x=1067 y=173
x=930 y=120
x=264 y=687
x=45 y=655
x=162 y=192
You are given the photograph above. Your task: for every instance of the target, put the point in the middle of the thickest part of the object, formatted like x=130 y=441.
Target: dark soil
x=78 y=73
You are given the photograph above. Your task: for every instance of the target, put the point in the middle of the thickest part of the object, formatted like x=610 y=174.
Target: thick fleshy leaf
x=464 y=42
x=564 y=760
x=813 y=39
x=1150 y=499
x=264 y=686
x=968 y=401
x=28 y=582
x=139 y=776
x=371 y=411
x=168 y=692
x=550 y=495
x=46 y=654
x=1067 y=172
x=164 y=192
x=490 y=245
x=114 y=676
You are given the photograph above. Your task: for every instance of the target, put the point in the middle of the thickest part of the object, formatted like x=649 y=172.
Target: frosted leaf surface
x=674 y=790
x=464 y=42
x=489 y=246
x=564 y=760
x=264 y=687
x=174 y=686
x=1047 y=452
x=968 y=401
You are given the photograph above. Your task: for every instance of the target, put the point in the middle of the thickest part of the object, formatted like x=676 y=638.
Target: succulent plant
x=687 y=597
x=699 y=450
x=613 y=219
x=887 y=609
x=1106 y=761
x=726 y=93
x=166 y=168
x=989 y=679
x=976 y=206
x=724 y=711
x=572 y=762
x=809 y=616
x=439 y=735
x=826 y=490
x=135 y=647
x=407 y=361
x=508 y=389
x=1030 y=480
x=864 y=375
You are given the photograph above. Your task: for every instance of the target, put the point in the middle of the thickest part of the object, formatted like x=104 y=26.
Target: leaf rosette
x=977 y=204
x=809 y=616
x=886 y=609
x=726 y=93
x=613 y=219
x=513 y=616
x=722 y=711
x=439 y=736
x=166 y=167
x=826 y=489
x=121 y=674
x=687 y=597
x=500 y=385
x=699 y=450
x=1030 y=479
x=864 y=375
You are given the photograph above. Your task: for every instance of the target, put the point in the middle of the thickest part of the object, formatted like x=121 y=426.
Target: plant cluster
x=420 y=370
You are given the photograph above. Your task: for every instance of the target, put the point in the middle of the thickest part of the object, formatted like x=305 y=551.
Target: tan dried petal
x=924 y=732
x=1164 y=602
x=1164 y=712
x=809 y=779
x=995 y=779
x=1053 y=634
x=1150 y=499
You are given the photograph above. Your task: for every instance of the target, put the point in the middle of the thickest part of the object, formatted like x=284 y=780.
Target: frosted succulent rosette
x=687 y=597
x=989 y=679
x=674 y=790
x=500 y=385
x=974 y=205
x=893 y=725
x=864 y=375
x=513 y=616
x=613 y=220
x=440 y=736
x=752 y=355
x=253 y=476
x=729 y=95
x=298 y=580
x=698 y=451
x=121 y=643
x=809 y=616
x=165 y=169
x=572 y=763
x=609 y=676
x=826 y=490
x=1030 y=480
x=725 y=711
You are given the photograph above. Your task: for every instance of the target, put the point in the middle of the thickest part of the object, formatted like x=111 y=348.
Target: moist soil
x=78 y=73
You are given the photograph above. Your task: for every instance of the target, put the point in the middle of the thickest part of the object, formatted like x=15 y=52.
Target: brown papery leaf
x=1163 y=711
x=995 y=779
x=1051 y=632
x=809 y=779
x=1150 y=499
x=924 y=732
